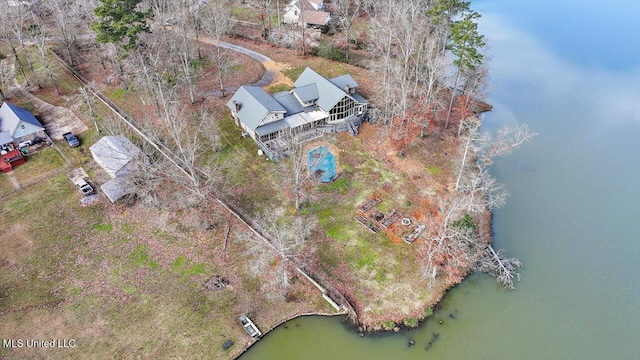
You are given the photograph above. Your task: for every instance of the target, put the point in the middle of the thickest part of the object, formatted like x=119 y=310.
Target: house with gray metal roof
x=315 y=106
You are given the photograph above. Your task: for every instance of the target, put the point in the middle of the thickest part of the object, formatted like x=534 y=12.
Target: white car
x=25 y=143
x=84 y=186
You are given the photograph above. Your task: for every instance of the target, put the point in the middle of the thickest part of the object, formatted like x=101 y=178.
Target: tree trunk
x=464 y=160
x=453 y=96
x=19 y=63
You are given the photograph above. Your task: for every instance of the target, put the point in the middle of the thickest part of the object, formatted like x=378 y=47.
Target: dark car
x=72 y=140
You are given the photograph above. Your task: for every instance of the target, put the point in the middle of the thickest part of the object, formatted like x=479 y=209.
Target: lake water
x=571 y=70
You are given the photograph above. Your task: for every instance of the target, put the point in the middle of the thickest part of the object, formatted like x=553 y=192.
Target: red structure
x=10 y=160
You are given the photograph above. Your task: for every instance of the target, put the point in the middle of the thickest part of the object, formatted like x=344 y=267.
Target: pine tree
x=119 y=22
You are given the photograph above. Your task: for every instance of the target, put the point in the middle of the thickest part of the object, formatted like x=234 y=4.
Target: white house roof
x=18 y=121
x=115 y=154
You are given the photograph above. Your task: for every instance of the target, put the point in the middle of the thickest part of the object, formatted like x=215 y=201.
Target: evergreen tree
x=466 y=43
x=119 y=22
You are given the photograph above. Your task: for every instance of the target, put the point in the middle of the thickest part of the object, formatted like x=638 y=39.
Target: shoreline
x=270 y=330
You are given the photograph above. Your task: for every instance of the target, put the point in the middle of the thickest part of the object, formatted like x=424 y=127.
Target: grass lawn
x=38 y=165
x=6 y=187
x=107 y=277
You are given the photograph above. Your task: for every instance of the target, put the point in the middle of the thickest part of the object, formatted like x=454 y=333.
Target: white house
x=306 y=13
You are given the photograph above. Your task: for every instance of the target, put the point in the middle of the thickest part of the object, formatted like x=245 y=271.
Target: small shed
x=17 y=122
x=116 y=189
x=115 y=154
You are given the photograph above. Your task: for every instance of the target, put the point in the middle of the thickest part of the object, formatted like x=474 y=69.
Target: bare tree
x=295 y=168
x=347 y=11
x=506 y=140
x=43 y=51
x=68 y=19
x=189 y=138
x=88 y=101
x=503 y=268
x=7 y=76
x=216 y=23
x=288 y=246
x=13 y=20
x=266 y=15
x=473 y=142
x=484 y=191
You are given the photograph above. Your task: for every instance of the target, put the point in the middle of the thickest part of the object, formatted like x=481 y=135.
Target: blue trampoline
x=322 y=164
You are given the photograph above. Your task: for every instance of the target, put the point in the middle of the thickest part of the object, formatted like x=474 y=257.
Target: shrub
x=329 y=51
x=466 y=222
x=433 y=170
x=428 y=312
x=388 y=325
x=411 y=322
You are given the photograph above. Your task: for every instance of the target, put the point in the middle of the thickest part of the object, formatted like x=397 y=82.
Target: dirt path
x=273 y=70
x=14 y=181
x=56 y=119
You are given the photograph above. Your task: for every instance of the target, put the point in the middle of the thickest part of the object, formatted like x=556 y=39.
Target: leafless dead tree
x=216 y=22
x=289 y=246
x=7 y=76
x=503 y=268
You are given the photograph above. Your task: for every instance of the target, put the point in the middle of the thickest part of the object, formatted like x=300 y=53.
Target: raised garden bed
x=368 y=224
x=393 y=216
x=413 y=235
x=368 y=205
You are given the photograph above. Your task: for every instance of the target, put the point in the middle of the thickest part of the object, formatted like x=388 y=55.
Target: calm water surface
x=571 y=70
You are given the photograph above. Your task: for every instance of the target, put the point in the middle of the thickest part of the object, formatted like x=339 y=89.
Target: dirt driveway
x=55 y=119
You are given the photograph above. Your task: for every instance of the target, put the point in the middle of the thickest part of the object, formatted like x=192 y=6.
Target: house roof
x=18 y=121
x=114 y=154
x=255 y=104
x=343 y=80
x=289 y=102
x=306 y=93
x=359 y=99
x=289 y=122
x=329 y=93
x=315 y=17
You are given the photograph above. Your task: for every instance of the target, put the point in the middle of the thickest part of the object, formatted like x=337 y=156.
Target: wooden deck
x=10 y=160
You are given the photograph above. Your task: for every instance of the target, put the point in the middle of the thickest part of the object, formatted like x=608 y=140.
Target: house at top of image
x=306 y=13
x=16 y=126
x=314 y=107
